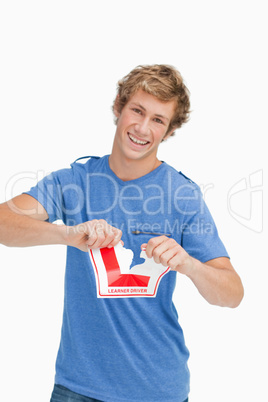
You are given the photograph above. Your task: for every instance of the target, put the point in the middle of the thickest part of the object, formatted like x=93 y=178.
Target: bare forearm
x=219 y=286
x=23 y=231
x=20 y=230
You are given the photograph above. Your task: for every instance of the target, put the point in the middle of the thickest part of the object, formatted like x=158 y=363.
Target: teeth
x=137 y=141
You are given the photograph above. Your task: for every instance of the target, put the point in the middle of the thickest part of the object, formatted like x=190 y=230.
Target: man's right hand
x=92 y=234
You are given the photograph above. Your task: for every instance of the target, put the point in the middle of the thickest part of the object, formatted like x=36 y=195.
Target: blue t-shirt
x=121 y=340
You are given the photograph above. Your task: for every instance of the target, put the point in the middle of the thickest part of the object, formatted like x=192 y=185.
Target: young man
x=121 y=340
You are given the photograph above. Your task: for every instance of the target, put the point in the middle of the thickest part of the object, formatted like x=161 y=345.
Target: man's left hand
x=169 y=253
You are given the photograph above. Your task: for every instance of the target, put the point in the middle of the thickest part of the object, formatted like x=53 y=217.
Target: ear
x=116 y=107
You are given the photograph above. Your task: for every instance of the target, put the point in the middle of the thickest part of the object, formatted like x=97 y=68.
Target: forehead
x=152 y=104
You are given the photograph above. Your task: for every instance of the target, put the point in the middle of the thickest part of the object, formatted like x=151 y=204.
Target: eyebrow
x=143 y=108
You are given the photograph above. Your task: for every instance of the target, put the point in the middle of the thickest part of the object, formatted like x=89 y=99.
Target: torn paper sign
x=114 y=278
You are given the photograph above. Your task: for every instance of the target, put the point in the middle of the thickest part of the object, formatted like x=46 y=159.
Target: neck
x=132 y=169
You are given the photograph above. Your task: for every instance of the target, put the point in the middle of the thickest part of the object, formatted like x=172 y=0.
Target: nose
x=143 y=126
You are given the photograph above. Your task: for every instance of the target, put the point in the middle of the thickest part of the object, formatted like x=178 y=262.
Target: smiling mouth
x=136 y=141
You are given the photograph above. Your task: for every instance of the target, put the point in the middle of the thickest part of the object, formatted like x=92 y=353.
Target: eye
x=158 y=120
x=136 y=110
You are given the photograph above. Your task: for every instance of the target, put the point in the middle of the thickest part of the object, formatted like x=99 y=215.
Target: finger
x=94 y=232
x=153 y=244
x=117 y=234
x=181 y=261
x=170 y=258
x=101 y=232
x=108 y=240
x=164 y=251
x=92 y=238
x=173 y=263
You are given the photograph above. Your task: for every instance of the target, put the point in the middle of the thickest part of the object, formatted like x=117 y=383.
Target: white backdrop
x=60 y=62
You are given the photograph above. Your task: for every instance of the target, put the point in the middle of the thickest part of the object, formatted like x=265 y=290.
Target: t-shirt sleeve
x=50 y=193
x=200 y=237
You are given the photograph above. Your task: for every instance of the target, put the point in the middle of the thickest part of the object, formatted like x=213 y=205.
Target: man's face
x=141 y=126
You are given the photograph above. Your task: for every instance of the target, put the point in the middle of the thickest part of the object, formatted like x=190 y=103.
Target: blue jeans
x=62 y=394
